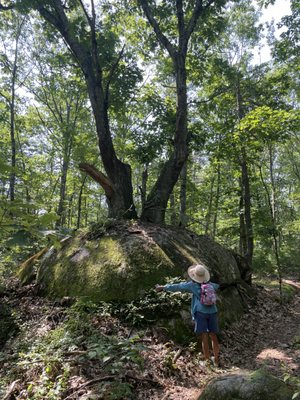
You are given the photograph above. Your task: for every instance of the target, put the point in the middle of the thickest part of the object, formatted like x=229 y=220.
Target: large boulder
x=122 y=260
x=258 y=385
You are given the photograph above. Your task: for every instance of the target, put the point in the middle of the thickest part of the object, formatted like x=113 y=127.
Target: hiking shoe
x=205 y=364
x=215 y=363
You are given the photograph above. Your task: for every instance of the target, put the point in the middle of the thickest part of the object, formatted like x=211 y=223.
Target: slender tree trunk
x=67 y=148
x=217 y=200
x=245 y=201
x=182 y=215
x=271 y=197
x=243 y=236
x=275 y=232
x=62 y=198
x=70 y=206
x=80 y=202
x=247 y=208
x=143 y=188
x=86 y=211
x=12 y=106
x=210 y=206
x=173 y=210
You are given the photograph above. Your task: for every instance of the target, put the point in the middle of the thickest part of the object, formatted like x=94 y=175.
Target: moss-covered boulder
x=258 y=385
x=121 y=261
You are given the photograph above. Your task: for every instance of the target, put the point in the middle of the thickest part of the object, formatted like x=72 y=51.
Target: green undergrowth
x=82 y=345
x=151 y=307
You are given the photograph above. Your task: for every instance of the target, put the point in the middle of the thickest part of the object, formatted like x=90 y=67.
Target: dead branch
x=99 y=177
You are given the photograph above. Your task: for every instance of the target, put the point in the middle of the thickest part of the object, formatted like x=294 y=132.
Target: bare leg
x=205 y=345
x=215 y=347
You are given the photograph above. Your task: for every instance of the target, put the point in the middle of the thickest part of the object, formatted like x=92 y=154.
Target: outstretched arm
x=175 y=287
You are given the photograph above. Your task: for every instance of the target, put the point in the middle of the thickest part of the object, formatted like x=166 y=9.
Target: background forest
x=240 y=182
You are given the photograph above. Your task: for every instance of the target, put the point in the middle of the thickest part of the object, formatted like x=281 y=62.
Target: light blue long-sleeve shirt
x=195 y=289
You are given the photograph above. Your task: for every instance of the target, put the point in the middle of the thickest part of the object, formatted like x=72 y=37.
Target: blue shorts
x=205 y=322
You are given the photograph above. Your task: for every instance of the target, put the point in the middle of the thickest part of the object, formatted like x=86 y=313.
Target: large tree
x=81 y=27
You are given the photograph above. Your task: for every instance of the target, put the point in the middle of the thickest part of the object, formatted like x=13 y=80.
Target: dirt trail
x=267 y=336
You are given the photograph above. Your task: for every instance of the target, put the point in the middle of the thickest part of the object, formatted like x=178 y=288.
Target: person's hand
x=159 y=288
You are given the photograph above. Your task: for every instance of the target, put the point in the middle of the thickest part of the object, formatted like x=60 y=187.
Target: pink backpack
x=208 y=294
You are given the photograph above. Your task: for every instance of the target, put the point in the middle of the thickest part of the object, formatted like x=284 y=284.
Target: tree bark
x=158 y=197
x=217 y=200
x=243 y=236
x=182 y=215
x=68 y=144
x=173 y=216
x=80 y=202
x=143 y=188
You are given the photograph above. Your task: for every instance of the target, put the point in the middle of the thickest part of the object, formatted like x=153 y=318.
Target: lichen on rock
x=258 y=385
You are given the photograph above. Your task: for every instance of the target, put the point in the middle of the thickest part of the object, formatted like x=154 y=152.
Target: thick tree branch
x=99 y=177
x=194 y=18
x=180 y=20
x=161 y=37
x=89 y=19
x=59 y=20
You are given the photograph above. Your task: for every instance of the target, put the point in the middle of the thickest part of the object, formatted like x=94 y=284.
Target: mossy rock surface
x=122 y=261
x=258 y=385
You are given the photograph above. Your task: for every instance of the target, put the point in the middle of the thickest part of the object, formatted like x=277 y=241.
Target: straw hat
x=198 y=273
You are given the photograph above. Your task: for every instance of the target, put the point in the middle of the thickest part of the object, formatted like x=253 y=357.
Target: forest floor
x=268 y=336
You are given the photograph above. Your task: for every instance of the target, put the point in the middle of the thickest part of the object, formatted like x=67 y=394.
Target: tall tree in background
x=232 y=82
x=10 y=68
x=62 y=108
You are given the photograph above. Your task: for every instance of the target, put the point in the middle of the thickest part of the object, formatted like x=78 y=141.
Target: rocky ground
x=268 y=335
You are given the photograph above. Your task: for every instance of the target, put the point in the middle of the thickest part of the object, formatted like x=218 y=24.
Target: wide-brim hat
x=198 y=273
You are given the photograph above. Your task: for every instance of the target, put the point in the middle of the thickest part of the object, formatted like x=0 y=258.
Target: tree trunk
x=247 y=208
x=143 y=188
x=63 y=186
x=120 y=200
x=246 y=243
x=217 y=200
x=172 y=209
x=243 y=236
x=12 y=178
x=118 y=174
x=182 y=215
x=80 y=202
x=157 y=200
x=272 y=200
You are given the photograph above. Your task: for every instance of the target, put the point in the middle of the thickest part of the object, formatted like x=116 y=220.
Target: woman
x=205 y=316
